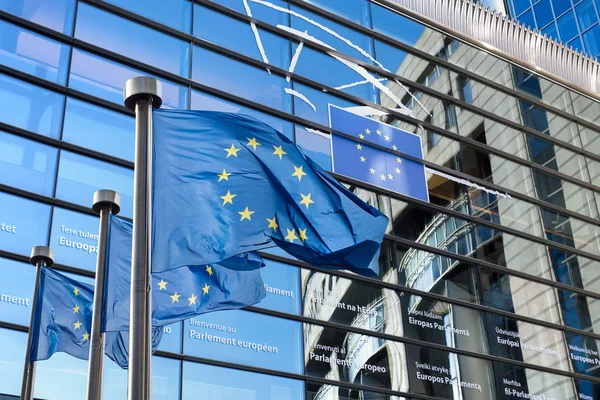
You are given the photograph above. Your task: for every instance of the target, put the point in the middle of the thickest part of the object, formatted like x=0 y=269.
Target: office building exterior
x=488 y=291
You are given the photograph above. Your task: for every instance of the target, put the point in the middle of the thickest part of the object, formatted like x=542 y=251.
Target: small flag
x=226 y=184
x=357 y=160
x=181 y=293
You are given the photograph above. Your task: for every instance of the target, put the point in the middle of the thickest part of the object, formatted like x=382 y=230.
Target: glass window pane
x=17 y=281
x=320 y=100
x=396 y=26
x=282 y=284
x=99 y=129
x=54 y=14
x=224 y=383
x=528 y=19
x=551 y=31
x=240 y=79
x=577 y=44
x=259 y=11
x=591 y=40
x=353 y=10
x=586 y=14
x=316 y=145
x=560 y=6
x=12 y=356
x=567 y=26
x=204 y=101
x=60 y=371
x=238 y=36
x=23 y=224
x=30 y=107
x=74 y=238
x=171 y=339
x=80 y=177
x=34 y=54
x=543 y=13
x=106 y=79
x=174 y=13
x=247 y=338
x=143 y=44
x=27 y=165
x=520 y=5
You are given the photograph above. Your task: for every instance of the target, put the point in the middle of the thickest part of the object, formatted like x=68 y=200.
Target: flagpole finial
x=107 y=198
x=142 y=87
x=42 y=253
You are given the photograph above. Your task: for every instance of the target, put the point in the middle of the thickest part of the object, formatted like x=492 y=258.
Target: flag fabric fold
x=226 y=184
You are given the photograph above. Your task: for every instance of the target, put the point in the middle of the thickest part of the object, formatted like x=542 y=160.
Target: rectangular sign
x=357 y=160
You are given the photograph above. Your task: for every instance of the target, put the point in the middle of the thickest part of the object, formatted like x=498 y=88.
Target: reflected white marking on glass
x=261 y=49
x=349 y=85
x=413 y=97
x=295 y=59
x=366 y=111
x=318 y=132
x=467 y=183
x=304 y=35
x=301 y=97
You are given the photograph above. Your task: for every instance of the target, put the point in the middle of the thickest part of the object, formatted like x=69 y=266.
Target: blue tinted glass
x=354 y=10
x=320 y=100
x=577 y=44
x=80 y=177
x=58 y=372
x=543 y=13
x=316 y=145
x=560 y=6
x=34 y=54
x=54 y=14
x=171 y=339
x=260 y=11
x=106 y=79
x=567 y=26
x=220 y=383
x=30 y=107
x=143 y=44
x=520 y=5
x=551 y=31
x=395 y=25
x=12 y=356
x=27 y=165
x=17 y=281
x=586 y=14
x=238 y=36
x=591 y=40
x=240 y=79
x=282 y=283
x=23 y=224
x=528 y=19
x=99 y=129
x=174 y=13
x=358 y=39
x=74 y=239
x=245 y=338
x=203 y=101
x=389 y=56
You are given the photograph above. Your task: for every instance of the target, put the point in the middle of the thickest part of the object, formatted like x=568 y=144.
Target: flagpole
x=40 y=256
x=106 y=202
x=141 y=94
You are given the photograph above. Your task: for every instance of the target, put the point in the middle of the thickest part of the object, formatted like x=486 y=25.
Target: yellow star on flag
x=86 y=336
x=175 y=298
x=390 y=176
x=76 y=309
x=394 y=147
x=232 y=151
x=298 y=172
x=209 y=270
x=224 y=175
x=303 y=236
x=362 y=159
x=397 y=170
x=372 y=170
x=246 y=214
x=192 y=299
x=252 y=142
x=228 y=198
x=205 y=289
x=378 y=132
x=76 y=291
x=77 y=325
x=387 y=138
x=279 y=151
x=306 y=200
x=368 y=131
x=382 y=177
x=272 y=224
x=358 y=146
x=361 y=136
x=399 y=160
x=291 y=235
x=162 y=285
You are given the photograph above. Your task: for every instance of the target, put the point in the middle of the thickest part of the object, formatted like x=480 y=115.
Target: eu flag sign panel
x=357 y=160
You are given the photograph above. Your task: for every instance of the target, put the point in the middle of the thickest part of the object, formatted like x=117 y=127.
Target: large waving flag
x=63 y=318
x=226 y=184
x=181 y=293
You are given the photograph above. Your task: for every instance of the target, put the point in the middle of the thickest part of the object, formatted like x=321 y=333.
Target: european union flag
x=368 y=164
x=181 y=293
x=63 y=317
x=226 y=184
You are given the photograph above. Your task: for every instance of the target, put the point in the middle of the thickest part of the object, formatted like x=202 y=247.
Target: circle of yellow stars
x=162 y=285
x=363 y=159
x=77 y=324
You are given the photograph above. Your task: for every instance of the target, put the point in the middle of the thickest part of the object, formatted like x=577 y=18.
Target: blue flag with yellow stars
x=63 y=317
x=181 y=293
x=226 y=184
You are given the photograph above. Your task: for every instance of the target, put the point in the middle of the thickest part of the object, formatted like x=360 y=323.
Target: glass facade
x=489 y=291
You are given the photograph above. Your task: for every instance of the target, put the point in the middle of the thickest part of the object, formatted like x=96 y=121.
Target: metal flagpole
x=106 y=202
x=141 y=94
x=40 y=256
